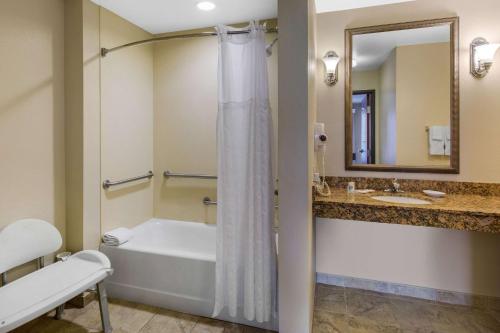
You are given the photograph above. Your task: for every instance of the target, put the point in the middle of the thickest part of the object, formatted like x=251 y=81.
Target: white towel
x=447 y=142
x=117 y=236
x=436 y=140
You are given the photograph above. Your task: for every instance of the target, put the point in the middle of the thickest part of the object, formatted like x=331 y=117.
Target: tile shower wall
x=127 y=80
x=441 y=259
x=185 y=124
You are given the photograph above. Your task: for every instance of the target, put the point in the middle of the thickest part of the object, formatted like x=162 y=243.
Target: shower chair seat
x=49 y=287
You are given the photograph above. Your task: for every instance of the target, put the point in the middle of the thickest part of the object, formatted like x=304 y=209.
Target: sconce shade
x=331 y=61
x=486 y=52
x=482 y=54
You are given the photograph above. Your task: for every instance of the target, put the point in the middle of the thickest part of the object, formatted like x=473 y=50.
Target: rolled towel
x=117 y=236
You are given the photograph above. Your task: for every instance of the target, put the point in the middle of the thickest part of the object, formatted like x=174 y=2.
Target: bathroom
x=76 y=121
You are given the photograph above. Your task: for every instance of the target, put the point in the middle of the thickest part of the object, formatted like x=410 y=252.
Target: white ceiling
x=158 y=16
x=371 y=50
x=323 y=6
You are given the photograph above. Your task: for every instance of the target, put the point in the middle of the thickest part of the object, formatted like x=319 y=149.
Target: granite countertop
x=455 y=211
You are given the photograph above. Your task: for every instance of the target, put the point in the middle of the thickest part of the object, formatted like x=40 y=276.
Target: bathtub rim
x=150 y=249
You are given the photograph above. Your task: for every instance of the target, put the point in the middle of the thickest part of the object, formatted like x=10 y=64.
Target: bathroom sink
x=401 y=200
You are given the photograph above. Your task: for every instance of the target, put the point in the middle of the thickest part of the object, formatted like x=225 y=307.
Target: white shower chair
x=49 y=287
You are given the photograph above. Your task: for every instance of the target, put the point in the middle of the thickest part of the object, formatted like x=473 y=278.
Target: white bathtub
x=169 y=264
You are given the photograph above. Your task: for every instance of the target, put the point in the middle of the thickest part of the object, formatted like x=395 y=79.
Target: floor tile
x=330 y=298
x=129 y=317
x=495 y=314
x=206 y=325
x=165 y=321
x=329 y=322
x=369 y=311
x=466 y=319
x=88 y=317
x=337 y=310
x=411 y=313
x=50 y=325
x=370 y=307
x=366 y=325
x=126 y=316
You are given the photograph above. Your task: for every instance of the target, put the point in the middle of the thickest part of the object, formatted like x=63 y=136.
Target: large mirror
x=402 y=97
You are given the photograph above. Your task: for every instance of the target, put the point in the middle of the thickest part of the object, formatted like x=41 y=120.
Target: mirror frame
x=454 y=168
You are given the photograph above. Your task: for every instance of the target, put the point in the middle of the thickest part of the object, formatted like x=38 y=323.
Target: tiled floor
x=127 y=317
x=337 y=310
x=345 y=310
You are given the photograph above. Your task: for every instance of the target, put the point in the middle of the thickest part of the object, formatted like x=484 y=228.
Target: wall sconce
x=481 y=56
x=331 y=61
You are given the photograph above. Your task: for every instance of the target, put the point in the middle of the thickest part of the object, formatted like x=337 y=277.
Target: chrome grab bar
x=168 y=174
x=208 y=202
x=108 y=183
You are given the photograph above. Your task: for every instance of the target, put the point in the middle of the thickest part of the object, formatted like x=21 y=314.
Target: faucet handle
x=396 y=186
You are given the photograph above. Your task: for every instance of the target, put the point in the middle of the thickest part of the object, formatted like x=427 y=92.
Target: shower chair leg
x=59 y=311
x=103 y=308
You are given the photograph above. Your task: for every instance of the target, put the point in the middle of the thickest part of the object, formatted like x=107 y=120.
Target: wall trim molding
x=437 y=295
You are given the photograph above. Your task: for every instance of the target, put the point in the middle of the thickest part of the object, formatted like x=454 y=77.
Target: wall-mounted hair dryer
x=320 y=140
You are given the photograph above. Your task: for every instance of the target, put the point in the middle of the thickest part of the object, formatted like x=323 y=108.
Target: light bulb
x=331 y=62
x=206 y=6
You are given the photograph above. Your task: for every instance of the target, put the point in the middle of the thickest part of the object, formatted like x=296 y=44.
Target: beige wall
x=82 y=124
x=73 y=99
x=127 y=80
x=437 y=258
x=296 y=113
x=479 y=99
x=387 y=115
x=423 y=99
x=185 y=124
x=32 y=180
x=370 y=80
x=365 y=80
x=91 y=126
x=477 y=253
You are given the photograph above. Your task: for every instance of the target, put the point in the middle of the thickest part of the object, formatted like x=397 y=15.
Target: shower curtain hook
x=269 y=48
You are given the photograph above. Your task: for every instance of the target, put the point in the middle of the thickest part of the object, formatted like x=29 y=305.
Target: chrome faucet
x=395 y=187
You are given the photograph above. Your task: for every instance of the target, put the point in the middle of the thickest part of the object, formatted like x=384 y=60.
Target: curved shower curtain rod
x=105 y=51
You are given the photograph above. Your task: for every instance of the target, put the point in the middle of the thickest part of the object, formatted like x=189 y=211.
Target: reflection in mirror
x=364 y=126
x=401 y=97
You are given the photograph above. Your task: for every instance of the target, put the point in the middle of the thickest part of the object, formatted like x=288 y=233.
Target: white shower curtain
x=246 y=251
